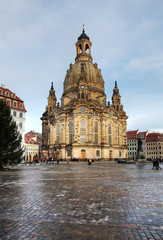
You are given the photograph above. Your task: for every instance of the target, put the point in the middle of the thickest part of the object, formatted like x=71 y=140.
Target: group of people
x=156 y=164
x=52 y=160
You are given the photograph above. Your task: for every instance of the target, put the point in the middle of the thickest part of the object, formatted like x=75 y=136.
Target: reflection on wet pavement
x=77 y=201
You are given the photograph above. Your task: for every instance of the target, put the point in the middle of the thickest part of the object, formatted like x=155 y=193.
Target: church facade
x=84 y=125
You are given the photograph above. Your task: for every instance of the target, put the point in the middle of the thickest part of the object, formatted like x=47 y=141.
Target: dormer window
x=7 y=94
x=21 y=105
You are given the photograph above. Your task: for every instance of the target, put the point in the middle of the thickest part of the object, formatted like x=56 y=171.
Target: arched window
x=96 y=132
x=82 y=95
x=80 y=49
x=87 y=48
x=109 y=134
x=82 y=131
x=109 y=128
x=58 y=128
x=97 y=153
x=70 y=132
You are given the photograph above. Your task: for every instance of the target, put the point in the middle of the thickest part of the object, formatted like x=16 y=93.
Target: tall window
x=82 y=95
x=96 y=132
x=69 y=153
x=70 y=132
x=58 y=133
x=109 y=134
x=97 y=153
x=8 y=103
x=7 y=94
x=82 y=130
x=15 y=104
x=118 y=135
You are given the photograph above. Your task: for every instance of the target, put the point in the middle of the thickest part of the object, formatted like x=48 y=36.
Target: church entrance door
x=110 y=154
x=82 y=154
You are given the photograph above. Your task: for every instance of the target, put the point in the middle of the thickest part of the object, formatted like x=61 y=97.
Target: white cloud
x=145 y=64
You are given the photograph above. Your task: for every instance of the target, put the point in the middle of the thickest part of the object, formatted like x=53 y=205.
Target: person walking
x=90 y=161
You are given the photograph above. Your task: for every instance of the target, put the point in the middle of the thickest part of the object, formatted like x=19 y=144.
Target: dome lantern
x=83 y=48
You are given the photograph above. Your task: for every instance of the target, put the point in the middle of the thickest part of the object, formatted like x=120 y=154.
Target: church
x=84 y=125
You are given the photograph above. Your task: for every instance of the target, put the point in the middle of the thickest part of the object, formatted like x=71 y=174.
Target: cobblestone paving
x=75 y=201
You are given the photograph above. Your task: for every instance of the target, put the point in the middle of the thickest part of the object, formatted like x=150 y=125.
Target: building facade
x=37 y=137
x=31 y=148
x=17 y=108
x=84 y=125
x=154 y=146
x=132 y=142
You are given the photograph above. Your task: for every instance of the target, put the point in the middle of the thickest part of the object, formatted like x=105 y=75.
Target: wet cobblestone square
x=63 y=201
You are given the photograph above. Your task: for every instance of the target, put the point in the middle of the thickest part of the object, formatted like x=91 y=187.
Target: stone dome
x=84 y=71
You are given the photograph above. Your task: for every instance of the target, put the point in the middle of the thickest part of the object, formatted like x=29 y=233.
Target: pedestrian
x=157 y=163
x=154 y=163
x=89 y=161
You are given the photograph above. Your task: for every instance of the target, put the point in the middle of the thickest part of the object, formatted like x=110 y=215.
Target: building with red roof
x=132 y=141
x=31 y=148
x=37 y=137
x=143 y=136
x=154 y=145
x=16 y=106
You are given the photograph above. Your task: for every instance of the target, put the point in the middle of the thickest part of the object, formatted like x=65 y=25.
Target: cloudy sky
x=37 y=44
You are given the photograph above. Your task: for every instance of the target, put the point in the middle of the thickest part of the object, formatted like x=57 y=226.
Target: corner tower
x=51 y=99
